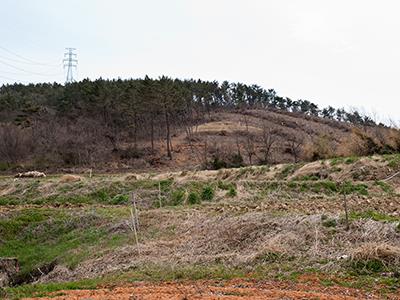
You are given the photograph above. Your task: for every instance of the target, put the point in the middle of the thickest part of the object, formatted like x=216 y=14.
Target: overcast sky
x=339 y=53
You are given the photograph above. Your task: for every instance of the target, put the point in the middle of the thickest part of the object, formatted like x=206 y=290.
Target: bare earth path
x=234 y=289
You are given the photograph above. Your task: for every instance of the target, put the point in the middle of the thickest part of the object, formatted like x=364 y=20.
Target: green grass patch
x=193 y=198
x=287 y=170
x=351 y=160
x=387 y=188
x=373 y=215
x=207 y=194
x=41 y=236
x=393 y=160
x=351 y=188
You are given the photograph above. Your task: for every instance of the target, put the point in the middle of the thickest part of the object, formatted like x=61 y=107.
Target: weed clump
x=375 y=257
x=384 y=186
x=232 y=192
x=207 y=193
x=119 y=199
x=287 y=170
x=373 y=215
x=329 y=223
x=193 y=198
x=350 y=188
x=177 y=197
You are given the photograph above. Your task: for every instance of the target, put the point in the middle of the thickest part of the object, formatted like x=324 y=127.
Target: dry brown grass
x=383 y=252
x=70 y=178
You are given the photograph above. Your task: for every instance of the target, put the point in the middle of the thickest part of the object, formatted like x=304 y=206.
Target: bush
x=368 y=267
x=131 y=153
x=207 y=193
x=15 y=143
x=236 y=161
x=321 y=148
x=226 y=161
x=193 y=198
x=218 y=163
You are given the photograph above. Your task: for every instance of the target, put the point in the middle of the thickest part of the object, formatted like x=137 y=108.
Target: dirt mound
x=70 y=178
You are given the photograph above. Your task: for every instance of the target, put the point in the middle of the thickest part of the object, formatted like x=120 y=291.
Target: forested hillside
x=167 y=123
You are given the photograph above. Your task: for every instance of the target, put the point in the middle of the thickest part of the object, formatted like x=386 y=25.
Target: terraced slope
x=275 y=223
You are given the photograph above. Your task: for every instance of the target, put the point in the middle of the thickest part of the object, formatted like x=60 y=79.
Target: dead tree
x=294 y=146
x=249 y=141
x=269 y=138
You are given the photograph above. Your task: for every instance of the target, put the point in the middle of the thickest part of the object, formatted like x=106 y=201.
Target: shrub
x=15 y=143
x=193 y=198
x=218 y=163
x=236 y=161
x=369 y=266
x=131 y=153
x=360 y=143
x=321 y=148
x=227 y=161
x=207 y=193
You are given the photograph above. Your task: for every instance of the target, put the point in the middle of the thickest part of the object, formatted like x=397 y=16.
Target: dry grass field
x=259 y=225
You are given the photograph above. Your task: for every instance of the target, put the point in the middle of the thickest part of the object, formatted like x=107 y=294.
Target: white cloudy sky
x=339 y=53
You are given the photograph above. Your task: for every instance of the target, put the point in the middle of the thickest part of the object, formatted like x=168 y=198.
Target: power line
x=27 y=60
x=28 y=63
x=26 y=71
x=70 y=62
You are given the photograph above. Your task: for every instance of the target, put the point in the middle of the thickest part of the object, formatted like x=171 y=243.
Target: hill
x=165 y=124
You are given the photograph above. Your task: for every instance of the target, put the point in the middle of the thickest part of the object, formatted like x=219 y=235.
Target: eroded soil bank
x=308 y=288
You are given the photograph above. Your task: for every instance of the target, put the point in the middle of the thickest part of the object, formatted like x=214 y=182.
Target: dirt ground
x=229 y=290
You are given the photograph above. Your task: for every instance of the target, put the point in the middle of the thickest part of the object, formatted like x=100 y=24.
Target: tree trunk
x=152 y=134
x=169 y=154
x=135 y=132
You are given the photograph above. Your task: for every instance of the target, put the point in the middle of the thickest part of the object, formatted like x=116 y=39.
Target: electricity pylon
x=70 y=62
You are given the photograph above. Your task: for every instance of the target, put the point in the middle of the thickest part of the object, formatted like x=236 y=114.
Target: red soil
x=308 y=288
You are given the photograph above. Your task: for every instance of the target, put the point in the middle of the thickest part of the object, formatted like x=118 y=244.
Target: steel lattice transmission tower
x=70 y=62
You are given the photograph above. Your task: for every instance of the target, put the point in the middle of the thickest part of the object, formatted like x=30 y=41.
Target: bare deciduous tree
x=269 y=138
x=294 y=146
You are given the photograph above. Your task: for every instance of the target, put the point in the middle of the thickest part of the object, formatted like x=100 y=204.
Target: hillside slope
x=165 y=124
x=274 y=222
